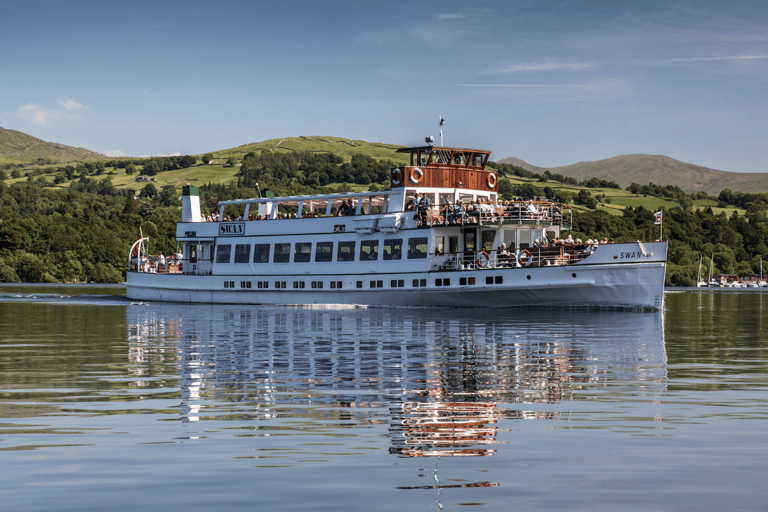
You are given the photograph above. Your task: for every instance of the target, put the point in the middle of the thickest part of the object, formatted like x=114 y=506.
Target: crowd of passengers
x=475 y=211
x=460 y=213
x=346 y=208
x=572 y=248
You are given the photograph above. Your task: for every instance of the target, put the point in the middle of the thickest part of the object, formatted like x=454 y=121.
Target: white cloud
x=175 y=153
x=534 y=67
x=732 y=57
x=449 y=16
x=116 y=153
x=70 y=104
x=43 y=116
x=37 y=115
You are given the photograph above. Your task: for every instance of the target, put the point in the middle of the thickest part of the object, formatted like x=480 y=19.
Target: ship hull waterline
x=607 y=286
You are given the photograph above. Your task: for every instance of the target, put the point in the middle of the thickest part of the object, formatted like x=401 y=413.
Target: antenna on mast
x=442 y=122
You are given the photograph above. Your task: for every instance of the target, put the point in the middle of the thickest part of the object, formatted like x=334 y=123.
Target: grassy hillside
x=345 y=148
x=18 y=146
x=657 y=169
x=617 y=200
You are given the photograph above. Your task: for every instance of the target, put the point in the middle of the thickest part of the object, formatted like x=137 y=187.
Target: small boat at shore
x=440 y=237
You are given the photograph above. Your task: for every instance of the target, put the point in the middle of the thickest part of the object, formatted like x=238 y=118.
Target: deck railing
x=531 y=257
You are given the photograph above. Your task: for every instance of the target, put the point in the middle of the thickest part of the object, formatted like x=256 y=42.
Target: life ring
x=492 y=180
x=525 y=253
x=397 y=176
x=480 y=257
x=415 y=175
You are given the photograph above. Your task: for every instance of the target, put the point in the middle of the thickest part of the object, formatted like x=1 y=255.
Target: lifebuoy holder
x=415 y=175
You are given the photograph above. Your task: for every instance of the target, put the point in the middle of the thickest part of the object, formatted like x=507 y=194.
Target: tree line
x=84 y=232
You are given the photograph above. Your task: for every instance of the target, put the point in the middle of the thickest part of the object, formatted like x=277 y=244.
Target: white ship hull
x=612 y=285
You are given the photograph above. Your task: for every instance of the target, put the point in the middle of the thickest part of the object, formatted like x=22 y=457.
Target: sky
x=550 y=82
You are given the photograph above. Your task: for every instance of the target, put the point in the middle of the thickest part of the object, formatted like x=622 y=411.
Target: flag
x=657 y=218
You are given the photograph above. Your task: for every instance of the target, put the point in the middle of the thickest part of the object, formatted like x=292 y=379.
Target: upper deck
x=441 y=167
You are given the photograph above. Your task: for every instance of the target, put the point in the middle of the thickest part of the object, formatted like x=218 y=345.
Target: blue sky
x=551 y=82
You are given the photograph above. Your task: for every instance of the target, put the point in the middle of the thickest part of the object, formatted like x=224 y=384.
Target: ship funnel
x=190 y=204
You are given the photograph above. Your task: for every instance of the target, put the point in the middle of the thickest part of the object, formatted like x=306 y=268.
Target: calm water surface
x=108 y=405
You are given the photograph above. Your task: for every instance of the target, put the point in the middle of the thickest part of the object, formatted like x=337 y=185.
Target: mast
x=698 y=278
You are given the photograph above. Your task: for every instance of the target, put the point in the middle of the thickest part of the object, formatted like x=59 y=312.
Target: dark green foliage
x=735 y=244
x=84 y=232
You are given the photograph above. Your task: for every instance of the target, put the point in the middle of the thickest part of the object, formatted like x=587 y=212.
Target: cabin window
x=223 y=253
x=261 y=253
x=242 y=253
x=302 y=252
x=324 y=251
x=453 y=244
x=439 y=245
x=282 y=253
x=393 y=249
x=417 y=248
x=524 y=238
x=479 y=159
x=346 y=251
x=369 y=250
x=469 y=241
x=488 y=237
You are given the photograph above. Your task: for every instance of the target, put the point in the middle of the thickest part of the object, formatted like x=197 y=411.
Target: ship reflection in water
x=442 y=381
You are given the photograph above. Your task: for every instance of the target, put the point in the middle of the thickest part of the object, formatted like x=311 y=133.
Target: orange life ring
x=492 y=180
x=525 y=253
x=480 y=262
x=397 y=176
x=415 y=175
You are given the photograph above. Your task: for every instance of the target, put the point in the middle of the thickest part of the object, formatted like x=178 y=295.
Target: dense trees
x=78 y=234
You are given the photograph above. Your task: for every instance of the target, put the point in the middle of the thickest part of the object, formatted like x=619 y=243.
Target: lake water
x=108 y=405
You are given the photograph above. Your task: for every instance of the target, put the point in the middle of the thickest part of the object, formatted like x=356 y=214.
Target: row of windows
x=394 y=283
x=391 y=249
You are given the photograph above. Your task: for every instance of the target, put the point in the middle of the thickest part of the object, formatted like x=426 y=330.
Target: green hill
x=656 y=169
x=344 y=148
x=16 y=145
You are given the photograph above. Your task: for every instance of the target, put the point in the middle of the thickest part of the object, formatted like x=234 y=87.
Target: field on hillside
x=218 y=172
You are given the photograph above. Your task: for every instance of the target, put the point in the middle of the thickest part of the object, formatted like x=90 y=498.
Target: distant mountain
x=656 y=169
x=19 y=145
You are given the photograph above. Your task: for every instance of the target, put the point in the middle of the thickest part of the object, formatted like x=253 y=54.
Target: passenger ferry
x=393 y=248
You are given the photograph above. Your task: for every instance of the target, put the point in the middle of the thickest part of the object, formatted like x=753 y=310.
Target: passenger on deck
x=411 y=205
x=447 y=211
x=503 y=255
x=532 y=211
x=473 y=212
x=569 y=240
x=424 y=204
x=458 y=213
x=557 y=214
